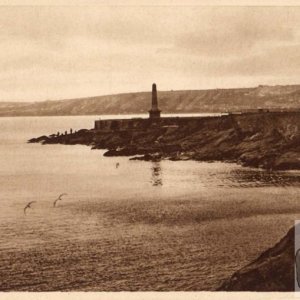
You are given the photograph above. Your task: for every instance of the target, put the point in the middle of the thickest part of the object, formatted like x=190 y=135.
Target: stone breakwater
x=269 y=140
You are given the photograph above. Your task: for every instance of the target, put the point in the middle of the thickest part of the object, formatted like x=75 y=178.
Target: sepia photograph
x=150 y=147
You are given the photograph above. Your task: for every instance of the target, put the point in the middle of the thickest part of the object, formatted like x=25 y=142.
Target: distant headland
x=265 y=138
x=174 y=101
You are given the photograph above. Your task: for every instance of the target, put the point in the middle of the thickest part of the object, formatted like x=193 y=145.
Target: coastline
x=268 y=140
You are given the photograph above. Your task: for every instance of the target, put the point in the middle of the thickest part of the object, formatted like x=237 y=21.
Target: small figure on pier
x=66 y=132
x=71 y=131
x=58 y=133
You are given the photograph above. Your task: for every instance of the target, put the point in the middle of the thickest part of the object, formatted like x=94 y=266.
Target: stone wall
x=139 y=123
x=286 y=123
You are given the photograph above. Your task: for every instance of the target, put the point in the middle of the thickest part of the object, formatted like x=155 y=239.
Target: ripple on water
x=144 y=226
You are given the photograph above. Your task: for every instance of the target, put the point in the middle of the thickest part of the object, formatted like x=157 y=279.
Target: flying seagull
x=28 y=206
x=59 y=198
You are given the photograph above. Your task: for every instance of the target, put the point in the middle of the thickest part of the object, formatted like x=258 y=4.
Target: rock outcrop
x=272 y=271
x=264 y=140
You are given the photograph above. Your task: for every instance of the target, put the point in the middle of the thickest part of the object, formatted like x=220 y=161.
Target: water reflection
x=156 y=174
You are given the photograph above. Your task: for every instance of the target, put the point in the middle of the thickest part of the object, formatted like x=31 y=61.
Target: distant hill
x=189 y=101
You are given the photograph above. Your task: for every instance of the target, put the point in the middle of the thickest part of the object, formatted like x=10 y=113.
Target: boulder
x=288 y=161
x=40 y=139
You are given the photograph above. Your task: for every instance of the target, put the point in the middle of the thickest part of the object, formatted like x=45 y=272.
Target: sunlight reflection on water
x=141 y=226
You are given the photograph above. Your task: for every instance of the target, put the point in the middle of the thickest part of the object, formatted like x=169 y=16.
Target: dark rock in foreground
x=273 y=270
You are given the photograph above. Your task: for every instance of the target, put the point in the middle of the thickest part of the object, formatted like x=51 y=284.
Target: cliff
x=272 y=271
x=189 y=101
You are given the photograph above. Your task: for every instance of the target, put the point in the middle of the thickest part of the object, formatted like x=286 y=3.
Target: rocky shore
x=272 y=271
x=269 y=141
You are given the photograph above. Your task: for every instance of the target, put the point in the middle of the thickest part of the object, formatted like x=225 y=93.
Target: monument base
x=153 y=114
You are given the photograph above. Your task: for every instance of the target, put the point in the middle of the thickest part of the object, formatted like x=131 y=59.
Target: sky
x=61 y=52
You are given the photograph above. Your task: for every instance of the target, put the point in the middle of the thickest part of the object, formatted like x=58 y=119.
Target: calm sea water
x=143 y=226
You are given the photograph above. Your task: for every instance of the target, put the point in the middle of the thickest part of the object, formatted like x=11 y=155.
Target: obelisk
x=154 y=112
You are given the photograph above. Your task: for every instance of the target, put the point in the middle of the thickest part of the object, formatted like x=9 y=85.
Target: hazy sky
x=67 y=52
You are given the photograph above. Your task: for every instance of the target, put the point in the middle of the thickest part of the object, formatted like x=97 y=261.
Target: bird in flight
x=59 y=198
x=117 y=165
x=28 y=206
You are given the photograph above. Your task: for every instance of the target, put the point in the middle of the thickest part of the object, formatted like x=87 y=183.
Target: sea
x=141 y=226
